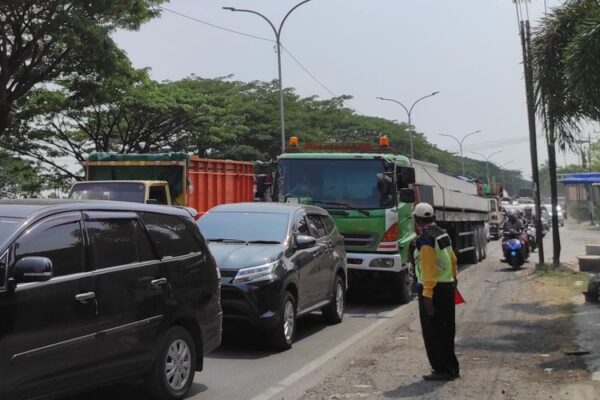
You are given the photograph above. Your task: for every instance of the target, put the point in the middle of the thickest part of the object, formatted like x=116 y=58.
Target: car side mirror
x=305 y=242
x=407 y=196
x=33 y=269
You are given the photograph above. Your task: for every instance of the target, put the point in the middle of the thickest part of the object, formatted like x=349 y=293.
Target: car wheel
x=333 y=313
x=174 y=367
x=402 y=288
x=484 y=244
x=282 y=336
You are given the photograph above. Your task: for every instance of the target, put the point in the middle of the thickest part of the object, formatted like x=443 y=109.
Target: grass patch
x=564 y=277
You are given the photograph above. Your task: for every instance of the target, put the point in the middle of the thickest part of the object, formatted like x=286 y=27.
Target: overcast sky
x=469 y=50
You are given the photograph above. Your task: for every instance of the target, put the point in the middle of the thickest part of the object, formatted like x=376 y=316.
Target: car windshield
x=335 y=183
x=117 y=191
x=235 y=226
x=7 y=226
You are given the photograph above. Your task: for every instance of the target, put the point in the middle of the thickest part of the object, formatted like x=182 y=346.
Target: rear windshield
x=117 y=191
x=244 y=226
x=7 y=226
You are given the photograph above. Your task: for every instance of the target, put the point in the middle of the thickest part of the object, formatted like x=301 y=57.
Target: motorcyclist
x=514 y=222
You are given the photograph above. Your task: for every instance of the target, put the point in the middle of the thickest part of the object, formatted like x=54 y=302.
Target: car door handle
x=83 y=298
x=156 y=283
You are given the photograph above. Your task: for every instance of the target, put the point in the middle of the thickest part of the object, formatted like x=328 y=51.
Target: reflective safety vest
x=437 y=238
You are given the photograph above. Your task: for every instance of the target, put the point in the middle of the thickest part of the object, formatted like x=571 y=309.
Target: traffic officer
x=435 y=269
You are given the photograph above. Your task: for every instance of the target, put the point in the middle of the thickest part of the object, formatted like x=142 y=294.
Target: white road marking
x=313 y=365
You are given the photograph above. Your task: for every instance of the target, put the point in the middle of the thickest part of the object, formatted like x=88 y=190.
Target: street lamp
x=460 y=145
x=278 y=43
x=487 y=159
x=409 y=113
x=502 y=171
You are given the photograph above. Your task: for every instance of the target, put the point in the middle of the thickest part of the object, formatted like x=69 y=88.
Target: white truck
x=460 y=210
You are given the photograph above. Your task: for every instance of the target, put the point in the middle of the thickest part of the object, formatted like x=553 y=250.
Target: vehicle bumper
x=494 y=230
x=369 y=262
x=251 y=305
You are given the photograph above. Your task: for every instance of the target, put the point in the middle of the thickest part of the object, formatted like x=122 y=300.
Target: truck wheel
x=479 y=243
x=484 y=244
x=173 y=371
x=402 y=287
x=333 y=313
x=282 y=336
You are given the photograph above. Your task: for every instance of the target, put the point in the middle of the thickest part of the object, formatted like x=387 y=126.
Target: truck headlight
x=265 y=272
x=382 y=263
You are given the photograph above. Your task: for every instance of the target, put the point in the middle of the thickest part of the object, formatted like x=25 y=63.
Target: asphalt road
x=245 y=368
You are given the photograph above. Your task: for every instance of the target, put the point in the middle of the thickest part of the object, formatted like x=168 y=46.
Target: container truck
x=370 y=191
x=166 y=178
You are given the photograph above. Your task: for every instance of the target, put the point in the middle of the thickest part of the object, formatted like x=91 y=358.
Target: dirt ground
x=514 y=337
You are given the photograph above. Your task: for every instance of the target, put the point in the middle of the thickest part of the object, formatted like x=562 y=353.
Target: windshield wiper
x=226 y=240
x=348 y=206
x=263 y=242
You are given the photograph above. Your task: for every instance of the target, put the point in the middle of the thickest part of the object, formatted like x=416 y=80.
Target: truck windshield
x=7 y=226
x=334 y=184
x=116 y=191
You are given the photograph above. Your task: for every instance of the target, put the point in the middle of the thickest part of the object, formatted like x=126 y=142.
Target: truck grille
x=359 y=240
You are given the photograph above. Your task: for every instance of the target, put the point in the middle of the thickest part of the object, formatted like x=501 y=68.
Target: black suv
x=95 y=292
x=277 y=262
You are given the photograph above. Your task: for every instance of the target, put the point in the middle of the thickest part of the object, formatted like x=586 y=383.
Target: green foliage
x=45 y=40
x=19 y=178
x=217 y=118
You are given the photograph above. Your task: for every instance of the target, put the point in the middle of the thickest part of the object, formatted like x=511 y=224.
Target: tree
x=565 y=49
x=45 y=40
x=19 y=178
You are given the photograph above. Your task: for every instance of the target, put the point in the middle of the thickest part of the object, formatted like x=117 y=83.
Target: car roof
x=35 y=207
x=281 y=208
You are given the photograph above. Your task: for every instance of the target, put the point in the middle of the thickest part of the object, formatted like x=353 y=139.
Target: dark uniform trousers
x=439 y=329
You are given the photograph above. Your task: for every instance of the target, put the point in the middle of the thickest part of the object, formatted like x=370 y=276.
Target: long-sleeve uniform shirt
x=435 y=260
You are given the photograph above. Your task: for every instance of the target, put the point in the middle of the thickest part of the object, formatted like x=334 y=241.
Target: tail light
x=391 y=235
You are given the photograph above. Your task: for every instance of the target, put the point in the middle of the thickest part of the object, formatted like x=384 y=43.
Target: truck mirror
x=407 y=195
x=405 y=176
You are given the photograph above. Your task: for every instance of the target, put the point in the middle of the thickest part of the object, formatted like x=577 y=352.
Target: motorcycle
x=514 y=253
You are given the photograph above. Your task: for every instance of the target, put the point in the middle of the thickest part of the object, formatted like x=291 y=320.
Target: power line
x=253 y=37
x=217 y=26
x=308 y=72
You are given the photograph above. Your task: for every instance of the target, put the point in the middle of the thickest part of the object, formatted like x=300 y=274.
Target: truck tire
x=479 y=243
x=484 y=245
x=402 y=288
x=470 y=257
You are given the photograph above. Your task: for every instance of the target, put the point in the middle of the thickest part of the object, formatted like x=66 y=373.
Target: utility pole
x=278 y=45
x=524 y=33
x=409 y=113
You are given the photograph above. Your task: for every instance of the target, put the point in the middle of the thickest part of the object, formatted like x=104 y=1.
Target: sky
x=469 y=50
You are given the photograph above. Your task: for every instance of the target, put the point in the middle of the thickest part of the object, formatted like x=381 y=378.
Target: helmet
x=423 y=210
x=513 y=212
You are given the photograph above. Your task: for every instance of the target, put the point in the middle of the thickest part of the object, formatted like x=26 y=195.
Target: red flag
x=458 y=299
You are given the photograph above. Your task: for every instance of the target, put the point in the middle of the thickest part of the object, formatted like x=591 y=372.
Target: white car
x=561 y=217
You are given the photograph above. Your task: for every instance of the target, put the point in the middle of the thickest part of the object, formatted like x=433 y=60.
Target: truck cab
x=150 y=192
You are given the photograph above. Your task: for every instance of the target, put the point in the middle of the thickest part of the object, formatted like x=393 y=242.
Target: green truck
x=370 y=191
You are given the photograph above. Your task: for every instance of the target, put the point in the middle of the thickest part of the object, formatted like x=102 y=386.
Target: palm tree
x=565 y=59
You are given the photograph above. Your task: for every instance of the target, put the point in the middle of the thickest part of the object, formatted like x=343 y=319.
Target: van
x=97 y=292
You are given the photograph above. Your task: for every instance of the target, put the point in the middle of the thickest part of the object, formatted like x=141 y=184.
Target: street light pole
x=487 y=165
x=409 y=113
x=277 y=32
x=502 y=171
x=460 y=145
